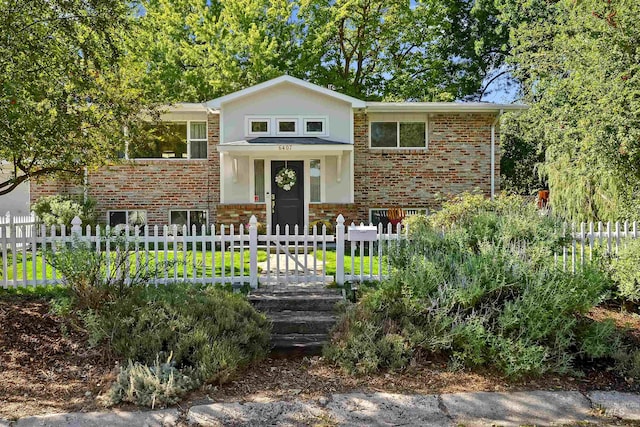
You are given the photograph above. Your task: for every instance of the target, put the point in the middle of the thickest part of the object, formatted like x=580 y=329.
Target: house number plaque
x=284 y=147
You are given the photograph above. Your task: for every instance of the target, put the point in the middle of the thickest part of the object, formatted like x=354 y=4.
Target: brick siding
x=157 y=185
x=458 y=159
x=240 y=213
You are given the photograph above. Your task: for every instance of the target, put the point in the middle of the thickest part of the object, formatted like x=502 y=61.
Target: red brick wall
x=153 y=185
x=330 y=211
x=457 y=160
x=240 y=213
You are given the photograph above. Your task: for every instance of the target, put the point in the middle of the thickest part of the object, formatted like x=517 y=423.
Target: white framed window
x=120 y=218
x=171 y=140
x=314 y=126
x=197 y=140
x=398 y=134
x=315 y=181
x=258 y=126
x=287 y=126
x=258 y=181
x=188 y=217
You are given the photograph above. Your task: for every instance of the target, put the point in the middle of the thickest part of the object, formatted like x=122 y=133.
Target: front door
x=287 y=206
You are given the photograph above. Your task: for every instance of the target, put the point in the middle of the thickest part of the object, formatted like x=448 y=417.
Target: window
x=276 y=125
x=287 y=126
x=314 y=126
x=384 y=134
x=398 y=135
x=171 y=140
x=189 y=218
x=315 y=183
x=122 y=218
x=258 y=126
x=258 y=177
x=198 y=140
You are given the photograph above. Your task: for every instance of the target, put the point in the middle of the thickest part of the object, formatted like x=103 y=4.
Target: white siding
x=236 y=192
x=286 y=100
x=337 y=192
x=17 y=201
x=183 y=116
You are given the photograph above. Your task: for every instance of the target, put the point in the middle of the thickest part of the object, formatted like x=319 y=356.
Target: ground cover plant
x=171 y=338
x=477 y=283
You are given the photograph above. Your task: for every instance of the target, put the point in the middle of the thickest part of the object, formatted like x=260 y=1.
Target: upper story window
x=172 y=140
x=287 y=126
x=398 y=134
x=256 y=126
x=314 y=126
x=259 y=126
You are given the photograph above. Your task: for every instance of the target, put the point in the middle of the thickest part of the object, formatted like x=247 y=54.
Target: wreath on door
x=286 y=178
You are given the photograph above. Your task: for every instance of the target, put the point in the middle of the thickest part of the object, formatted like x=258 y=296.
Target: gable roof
x=217 y=102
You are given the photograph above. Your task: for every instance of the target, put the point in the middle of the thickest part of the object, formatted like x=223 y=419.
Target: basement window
x=124 y=217
x=188 y=217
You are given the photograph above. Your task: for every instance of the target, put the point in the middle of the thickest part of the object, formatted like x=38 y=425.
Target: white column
x=340 y=250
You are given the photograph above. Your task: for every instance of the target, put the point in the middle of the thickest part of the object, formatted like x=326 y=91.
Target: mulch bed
x=43 y=369
x=46 y=366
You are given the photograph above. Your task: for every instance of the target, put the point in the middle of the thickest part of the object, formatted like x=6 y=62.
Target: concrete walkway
x=379 y=409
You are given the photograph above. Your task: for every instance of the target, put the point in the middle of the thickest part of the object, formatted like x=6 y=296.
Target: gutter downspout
x=493 y=154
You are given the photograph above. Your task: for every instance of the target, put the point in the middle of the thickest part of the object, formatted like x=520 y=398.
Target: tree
x=196 y=50
x=63 y=97
x=185 y=50
x=391 y=49
x=579 y=63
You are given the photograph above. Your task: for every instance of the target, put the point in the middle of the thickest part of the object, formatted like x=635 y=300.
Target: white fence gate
x=226 y=254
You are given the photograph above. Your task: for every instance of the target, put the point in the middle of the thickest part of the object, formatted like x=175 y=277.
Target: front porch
x=321 y=187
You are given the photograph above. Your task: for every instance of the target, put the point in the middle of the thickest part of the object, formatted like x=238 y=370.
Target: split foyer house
x=291 y=152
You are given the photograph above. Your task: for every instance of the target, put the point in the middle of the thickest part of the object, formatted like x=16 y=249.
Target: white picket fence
x=223 y=254
x=226 y=254
x=28 y=221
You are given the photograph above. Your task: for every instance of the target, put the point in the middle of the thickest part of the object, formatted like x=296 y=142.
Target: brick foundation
x=237 y=213
x=330 y=211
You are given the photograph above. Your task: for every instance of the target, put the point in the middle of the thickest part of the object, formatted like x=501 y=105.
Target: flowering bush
x=286 y=179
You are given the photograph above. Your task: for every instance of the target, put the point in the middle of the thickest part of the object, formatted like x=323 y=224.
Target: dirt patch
x=45 y=363
x=626 y=320
x=46 y=366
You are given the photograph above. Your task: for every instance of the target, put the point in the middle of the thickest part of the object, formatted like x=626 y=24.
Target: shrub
x=158 y=385
x=625 y=271
x=208 y=332
x=96 y=278
x=484 y=293
x=59 y=210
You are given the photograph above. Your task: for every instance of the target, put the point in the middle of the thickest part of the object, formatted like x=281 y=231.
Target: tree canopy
x=373 y=49
x=579 y=65
x=63 y=96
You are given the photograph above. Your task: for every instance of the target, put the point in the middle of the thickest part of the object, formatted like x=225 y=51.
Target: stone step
x=298 y=343
x=299 y=302
x=295 y=290
x=301 y=322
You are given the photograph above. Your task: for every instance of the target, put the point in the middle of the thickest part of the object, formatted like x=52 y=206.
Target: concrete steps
x=301 y=318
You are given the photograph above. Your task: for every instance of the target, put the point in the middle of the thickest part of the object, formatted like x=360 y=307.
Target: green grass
x=175 y=263
x=331 y=264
